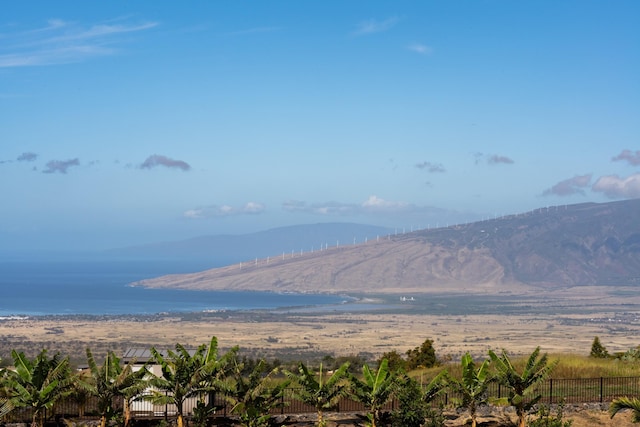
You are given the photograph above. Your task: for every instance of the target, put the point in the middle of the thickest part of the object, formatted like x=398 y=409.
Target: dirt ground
x=581 y=416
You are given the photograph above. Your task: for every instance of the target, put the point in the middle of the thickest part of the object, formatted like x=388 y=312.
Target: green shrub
x=412 y=410
x=547 y=419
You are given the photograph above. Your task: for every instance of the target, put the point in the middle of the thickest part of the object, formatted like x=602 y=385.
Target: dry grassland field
x=558 y=322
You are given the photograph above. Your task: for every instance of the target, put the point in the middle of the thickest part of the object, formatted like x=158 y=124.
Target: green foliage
x=631 y=355
x=201 y=413
x=623 y=403
x=375 y=390
x=37 y=384
x=395 y=360
x=473 y=386
x=185 y=375
x=248 y=364
x=522 y=385
x=434 y=418
x=412 y=409
x=253 y=397
x=546 y=419
x=322 y=394
x=598 y=350
x=6 y=406
x=331 y=363
x=112 y=379
x=423 y=356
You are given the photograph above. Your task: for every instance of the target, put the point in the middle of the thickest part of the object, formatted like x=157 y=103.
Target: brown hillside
x=563 y=246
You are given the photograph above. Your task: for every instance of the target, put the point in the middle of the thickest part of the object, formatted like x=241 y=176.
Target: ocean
x=38 y=288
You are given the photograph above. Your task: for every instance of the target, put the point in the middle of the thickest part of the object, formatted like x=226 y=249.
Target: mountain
x=556 y=247
x=229 y=249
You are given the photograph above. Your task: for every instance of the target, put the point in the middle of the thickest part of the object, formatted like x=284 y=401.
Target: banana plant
x=374 y=390
x=254 y=397
x=523 y=394
x=113 y=379
x=322 y=394
x=622 y=403
x=473 y=385
x=37 y=384
x=186 y=375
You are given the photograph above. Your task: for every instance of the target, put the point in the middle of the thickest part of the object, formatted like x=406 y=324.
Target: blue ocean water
x=101 y=287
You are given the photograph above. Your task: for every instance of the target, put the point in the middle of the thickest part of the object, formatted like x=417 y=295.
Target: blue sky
x=133 y=122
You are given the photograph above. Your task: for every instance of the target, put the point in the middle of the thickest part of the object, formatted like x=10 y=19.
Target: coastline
x=307 y=334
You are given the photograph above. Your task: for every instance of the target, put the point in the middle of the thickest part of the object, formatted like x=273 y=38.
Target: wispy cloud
x=27 y=157
x=420 y=48
x=61 y=42
x=493 y=159
x=633 y=158
x=60 y=166
x=615 y=187
x=431 y=167
x=374 y=205
x=497 y=159
x=217 y=211
x=569 y=186
x=373 y=26
x=158 y=160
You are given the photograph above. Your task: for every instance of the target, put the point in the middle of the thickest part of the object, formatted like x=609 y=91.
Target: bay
x=39 y=288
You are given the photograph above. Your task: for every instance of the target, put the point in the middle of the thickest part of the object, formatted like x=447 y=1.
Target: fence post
x=601 y=390
x=550 y=391
x=499 y=390
x=282 y=404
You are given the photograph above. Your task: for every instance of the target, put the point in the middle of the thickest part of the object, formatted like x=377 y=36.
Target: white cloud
x=615 y=187
x=218 y=211
x=61 y=42
x=372 y=26
x=420 y=48
x=374 y=205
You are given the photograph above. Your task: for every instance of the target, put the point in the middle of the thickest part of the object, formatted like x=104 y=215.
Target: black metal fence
x=553 y=391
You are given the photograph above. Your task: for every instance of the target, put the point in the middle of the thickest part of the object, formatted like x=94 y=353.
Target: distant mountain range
x=560 y=246
x=228 y=249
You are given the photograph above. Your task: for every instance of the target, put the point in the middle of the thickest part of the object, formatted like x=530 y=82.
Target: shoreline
x=373 y=324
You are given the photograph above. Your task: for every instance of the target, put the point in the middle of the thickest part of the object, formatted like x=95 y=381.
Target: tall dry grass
x=569 y=366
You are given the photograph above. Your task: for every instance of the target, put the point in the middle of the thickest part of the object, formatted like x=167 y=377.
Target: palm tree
x=38 y=384
x=253 y=397
x=375 y=390
x=322 y=395
x=472 y=386
x=185 y=375
x=522 y=386
x=111 y=380
x=622 y=403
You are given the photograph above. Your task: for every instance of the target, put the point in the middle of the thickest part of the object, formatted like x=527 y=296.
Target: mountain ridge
x=587 y=244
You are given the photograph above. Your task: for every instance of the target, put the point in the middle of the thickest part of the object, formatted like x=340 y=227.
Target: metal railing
x=553 y=391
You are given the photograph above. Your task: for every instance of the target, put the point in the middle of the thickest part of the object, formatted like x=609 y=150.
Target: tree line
x=254 y=389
